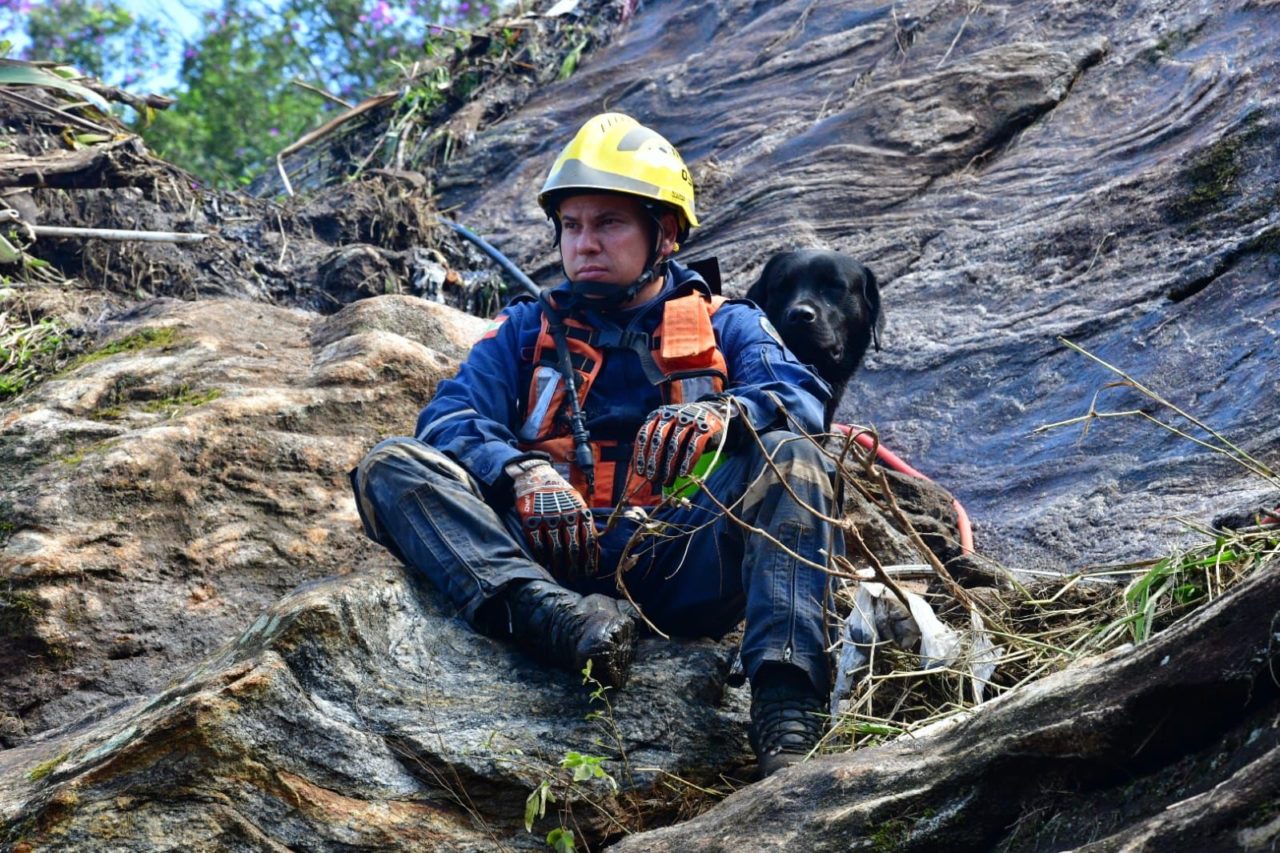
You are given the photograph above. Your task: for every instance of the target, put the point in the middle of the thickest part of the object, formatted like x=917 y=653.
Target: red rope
x=890 y=459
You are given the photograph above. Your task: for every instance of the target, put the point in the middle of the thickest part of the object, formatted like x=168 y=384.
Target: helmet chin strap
x=608 y=297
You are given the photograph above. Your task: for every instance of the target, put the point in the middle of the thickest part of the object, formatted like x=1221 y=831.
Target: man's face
x=606 y=238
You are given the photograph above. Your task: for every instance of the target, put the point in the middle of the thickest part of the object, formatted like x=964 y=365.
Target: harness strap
x=681 y=356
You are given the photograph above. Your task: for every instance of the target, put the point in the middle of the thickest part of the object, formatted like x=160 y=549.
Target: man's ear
x=670 y=231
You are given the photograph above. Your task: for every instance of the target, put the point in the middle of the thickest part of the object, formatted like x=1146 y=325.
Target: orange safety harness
x=681 y=356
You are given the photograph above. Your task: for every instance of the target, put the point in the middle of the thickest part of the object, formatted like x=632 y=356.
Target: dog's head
x=825 y=305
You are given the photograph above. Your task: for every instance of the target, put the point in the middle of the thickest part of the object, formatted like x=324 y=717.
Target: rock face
x=157 y=498
x=354 y=714
x=1012 y=173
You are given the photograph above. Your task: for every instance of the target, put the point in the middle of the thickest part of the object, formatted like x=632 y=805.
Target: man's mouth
x=593 y=272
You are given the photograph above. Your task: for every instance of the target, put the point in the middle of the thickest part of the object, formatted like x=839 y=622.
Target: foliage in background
x=239 y=98
x=103 y=38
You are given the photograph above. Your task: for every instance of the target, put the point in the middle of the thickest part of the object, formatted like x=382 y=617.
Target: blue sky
x=182 y=18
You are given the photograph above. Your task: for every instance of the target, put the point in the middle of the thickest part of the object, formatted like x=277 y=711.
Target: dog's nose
x=801 y=314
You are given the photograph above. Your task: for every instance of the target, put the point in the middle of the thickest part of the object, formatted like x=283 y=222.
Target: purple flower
x=275 y=131
x=464 y=7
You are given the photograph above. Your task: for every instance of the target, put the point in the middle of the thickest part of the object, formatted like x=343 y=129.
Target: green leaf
x=536 y=804
x=1187 y=593
x=9 y=253
x=15 y=73
x=561 y=840
x=91 y=138
x=570 y=64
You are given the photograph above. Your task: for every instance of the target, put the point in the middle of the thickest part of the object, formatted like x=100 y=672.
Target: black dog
x=826 y=306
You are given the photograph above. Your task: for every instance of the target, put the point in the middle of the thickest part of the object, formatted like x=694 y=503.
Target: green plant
x=1181 y=582
x=586 y=767
x=18 y=609
x=27 y=351
x=604 y=718
x=581 y=768
x=183 y=398
x=1214 y=173
x=890 y=835
x=77 y=456
x=561 y=840
x=571 y=59
x=1044 y=624
x=171 y=405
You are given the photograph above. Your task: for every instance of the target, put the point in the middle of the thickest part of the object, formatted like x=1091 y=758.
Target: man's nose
x=588 y=241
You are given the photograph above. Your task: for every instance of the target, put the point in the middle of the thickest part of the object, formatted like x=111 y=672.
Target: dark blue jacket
x=474 y=416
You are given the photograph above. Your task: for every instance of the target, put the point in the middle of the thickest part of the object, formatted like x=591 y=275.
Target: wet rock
x=356 y=272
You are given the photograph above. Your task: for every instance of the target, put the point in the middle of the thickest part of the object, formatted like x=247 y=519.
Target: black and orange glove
x=555 y=519
x=673 y=437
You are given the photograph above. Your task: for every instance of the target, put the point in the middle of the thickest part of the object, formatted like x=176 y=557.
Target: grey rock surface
x=156 y=499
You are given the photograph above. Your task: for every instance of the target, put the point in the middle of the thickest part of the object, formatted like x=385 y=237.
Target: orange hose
x=891 y=460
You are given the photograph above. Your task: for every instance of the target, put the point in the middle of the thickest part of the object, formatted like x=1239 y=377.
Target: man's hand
x=555 y=520
x=673 y=437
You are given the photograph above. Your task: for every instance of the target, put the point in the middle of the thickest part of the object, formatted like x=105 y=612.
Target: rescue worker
x=519 y=506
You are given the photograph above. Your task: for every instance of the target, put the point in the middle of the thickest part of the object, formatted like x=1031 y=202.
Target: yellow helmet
x=615 y=153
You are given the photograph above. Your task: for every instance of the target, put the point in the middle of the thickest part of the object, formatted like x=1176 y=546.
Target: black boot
x=565 y=629
x=787 y=717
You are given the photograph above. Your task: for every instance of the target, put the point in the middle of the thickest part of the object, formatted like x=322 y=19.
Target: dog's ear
x=871 y=295
x=759 y=292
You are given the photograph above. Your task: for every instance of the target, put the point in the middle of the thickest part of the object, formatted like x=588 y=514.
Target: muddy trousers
x=698 y=570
